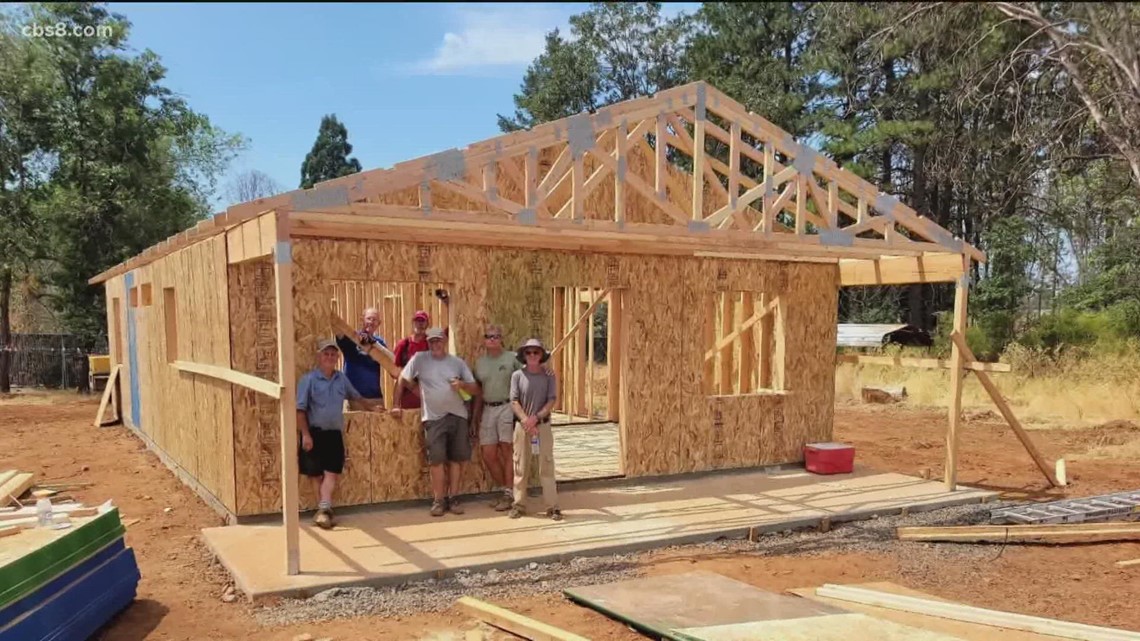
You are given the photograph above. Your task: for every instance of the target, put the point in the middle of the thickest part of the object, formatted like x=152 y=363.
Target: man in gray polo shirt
x=443 y=380
x=321 y=394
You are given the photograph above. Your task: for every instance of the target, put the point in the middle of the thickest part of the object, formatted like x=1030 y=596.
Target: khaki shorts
x=497 y=425
x=447 y=441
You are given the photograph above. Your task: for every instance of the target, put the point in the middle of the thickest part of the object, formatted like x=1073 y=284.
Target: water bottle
x=43 y=512
x=534 y=445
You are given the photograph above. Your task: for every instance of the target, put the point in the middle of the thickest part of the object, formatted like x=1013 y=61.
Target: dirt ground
x=179 y=595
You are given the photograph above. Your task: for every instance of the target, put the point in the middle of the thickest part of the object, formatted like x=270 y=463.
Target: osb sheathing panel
x=670 y=427
x=257 y=430
x=189 y=417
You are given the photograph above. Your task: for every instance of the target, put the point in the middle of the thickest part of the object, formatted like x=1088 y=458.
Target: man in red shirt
x=406 y=348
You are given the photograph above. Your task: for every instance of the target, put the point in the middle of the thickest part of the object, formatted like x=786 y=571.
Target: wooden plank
x=727 y=318
x=961 y=612
x=108 y=392
x=235 y=245
x=920 y=363
x=755 y=318
x=581 y=347
x=589 y=310
x=286 y=372
x=747 y=347
x=378 y=353
x=1003 y=407
x=667 y=206
x=16 y=486
x=590 y=363
x=1047 y=533
x=260 y=385
x=1127 y=564
x=619 y=183
x=614 y=348
x=901 y=270
x=577 y=189
x=961 y=293
x=659 y=156
x=514 y=623
x=708 y=377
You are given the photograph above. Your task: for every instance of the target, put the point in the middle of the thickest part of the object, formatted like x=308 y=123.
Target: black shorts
x=447 y=439
x=327 y=454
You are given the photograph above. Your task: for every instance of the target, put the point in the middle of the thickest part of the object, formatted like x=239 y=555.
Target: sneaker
x=516 y=512
x=503 y=503
x=453 y=506
x=438 y=508
x=555 y=514
x=323 y=519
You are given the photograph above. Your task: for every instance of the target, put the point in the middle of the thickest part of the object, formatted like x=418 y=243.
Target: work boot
x=516 y=511
x=453 y=506
x=438 y=508
x=503 y=503
x=554 y=513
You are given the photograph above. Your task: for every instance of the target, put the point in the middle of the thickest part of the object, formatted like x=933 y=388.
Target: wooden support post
x=727 y=318
x=962 y=347
x=734 y=164
x=659 y=156
x=619 y=176
x=581 y=345
x=747 y=346
x=708 y=379
x=957 y=373
x=283 y=281
x=613 y=355
x=590 y=361
x=577 y=191
x=801 y=205
x=764 y=376
x=559 y=358
x=699 y=159
x=768 y=216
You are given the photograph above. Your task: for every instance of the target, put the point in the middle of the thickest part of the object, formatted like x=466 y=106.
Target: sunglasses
x=491 y=336
x=532 y=352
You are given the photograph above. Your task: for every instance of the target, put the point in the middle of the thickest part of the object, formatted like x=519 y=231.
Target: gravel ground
x=872 y=536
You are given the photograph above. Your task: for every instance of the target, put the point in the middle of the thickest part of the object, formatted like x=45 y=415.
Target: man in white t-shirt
x=443 y=379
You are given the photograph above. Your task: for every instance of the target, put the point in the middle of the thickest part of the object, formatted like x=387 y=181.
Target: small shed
x=878 y=335
x=721 y=288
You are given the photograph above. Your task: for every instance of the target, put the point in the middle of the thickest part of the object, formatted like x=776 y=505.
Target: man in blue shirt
x=363 y=372
x=321 y=394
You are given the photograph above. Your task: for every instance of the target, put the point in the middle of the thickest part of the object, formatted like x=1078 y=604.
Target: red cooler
x=829 y=458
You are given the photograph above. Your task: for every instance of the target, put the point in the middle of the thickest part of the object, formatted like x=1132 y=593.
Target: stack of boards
x=64 y=584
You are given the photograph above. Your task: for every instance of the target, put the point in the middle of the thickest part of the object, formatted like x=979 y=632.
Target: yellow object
x=464 y=395
x=99 y=364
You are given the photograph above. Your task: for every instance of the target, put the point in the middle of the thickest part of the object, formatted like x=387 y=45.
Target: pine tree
x=328 y=158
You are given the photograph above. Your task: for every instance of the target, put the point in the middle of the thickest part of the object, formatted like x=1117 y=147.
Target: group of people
x=505 y=404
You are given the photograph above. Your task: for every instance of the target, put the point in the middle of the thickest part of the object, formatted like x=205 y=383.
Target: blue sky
x=405 y=79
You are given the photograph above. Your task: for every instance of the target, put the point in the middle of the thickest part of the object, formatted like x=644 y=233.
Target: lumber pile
x=65 y=581
x=1052 y=533
x=883 y=395
x=13 y=484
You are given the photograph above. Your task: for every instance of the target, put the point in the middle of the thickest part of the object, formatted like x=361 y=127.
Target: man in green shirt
x=492 y=416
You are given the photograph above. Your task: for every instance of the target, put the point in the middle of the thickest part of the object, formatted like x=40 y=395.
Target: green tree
x=329 y=157
x=617 y=51
x=126 y=163
x=755 y=52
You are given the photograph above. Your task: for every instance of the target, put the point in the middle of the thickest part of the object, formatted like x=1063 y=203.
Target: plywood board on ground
x=832 y=627
x=960 y=629
x=659 y=605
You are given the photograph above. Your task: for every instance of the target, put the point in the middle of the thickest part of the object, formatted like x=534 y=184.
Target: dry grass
x=1069 y=391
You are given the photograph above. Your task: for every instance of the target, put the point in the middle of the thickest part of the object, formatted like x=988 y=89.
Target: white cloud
x=511 y=36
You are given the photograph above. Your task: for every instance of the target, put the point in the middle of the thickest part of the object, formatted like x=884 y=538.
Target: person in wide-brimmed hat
x=534 y=391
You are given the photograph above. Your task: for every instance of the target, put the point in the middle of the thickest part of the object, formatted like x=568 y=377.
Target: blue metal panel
x=133 y=354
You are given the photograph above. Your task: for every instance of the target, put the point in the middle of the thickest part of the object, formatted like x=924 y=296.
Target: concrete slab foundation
x=392 y=546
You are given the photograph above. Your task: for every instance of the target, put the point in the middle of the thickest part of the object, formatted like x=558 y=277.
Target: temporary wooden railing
x=260 y=385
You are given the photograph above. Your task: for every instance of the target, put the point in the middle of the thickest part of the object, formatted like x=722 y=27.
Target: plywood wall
x=669 y=424
x=187 y=417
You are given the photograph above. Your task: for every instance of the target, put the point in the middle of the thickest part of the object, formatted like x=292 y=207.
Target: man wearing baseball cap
x=408 y=347
x=443 y=378
x=321 y=394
